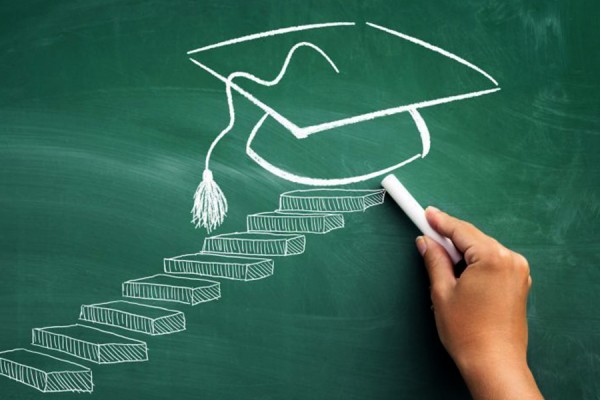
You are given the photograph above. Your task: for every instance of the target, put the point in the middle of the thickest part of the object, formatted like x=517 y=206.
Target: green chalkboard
x=104 y=127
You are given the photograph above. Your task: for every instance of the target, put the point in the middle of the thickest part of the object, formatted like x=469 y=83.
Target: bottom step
x=45 y=373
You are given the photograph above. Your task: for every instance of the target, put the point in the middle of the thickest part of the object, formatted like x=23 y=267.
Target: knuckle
x=498 y=254
x=466 y=226
x=497 y=245
x=437 y=294
x=521 y=264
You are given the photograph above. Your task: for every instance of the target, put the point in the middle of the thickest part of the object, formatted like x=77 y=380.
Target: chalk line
x=434 y=48
x=270 y=33
x=305 y=132
x=305 y=180
x=254 y=78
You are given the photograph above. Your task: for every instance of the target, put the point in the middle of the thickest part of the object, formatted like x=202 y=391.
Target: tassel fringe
x=210 y=204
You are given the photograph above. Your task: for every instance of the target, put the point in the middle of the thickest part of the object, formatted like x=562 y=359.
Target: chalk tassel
x=210 y=204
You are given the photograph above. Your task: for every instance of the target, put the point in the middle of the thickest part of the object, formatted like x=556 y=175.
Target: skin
x=481 y=316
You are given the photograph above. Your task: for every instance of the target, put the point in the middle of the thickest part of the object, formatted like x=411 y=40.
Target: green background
x=104 y=124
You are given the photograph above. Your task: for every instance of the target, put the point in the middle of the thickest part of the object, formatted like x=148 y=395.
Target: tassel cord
x=210 y=204
x=255 y=79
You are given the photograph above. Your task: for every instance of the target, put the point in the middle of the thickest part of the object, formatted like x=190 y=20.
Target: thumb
x=439 y=265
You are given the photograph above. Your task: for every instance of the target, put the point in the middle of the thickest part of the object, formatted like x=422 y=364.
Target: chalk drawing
x=330 y=200
x=220 y=266
x=191 y=291
x=255 y=243
x=45 y=373
x=92 y=344
x=282 y=222
x=276 y=233
x=134 y=317
x=210 y=204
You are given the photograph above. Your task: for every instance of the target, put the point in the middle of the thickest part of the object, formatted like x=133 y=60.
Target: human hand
x=481 y=316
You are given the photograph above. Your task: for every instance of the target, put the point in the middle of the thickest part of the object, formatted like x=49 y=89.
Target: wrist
x=498 y=374
x=479 y=365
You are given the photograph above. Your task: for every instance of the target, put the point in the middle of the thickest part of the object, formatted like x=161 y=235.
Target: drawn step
x=294 y=222
x=45 y=373
x=134 y=317
x=257 y=244
x=90 y=344
x=190 y=291
x=220 y=266
x=330 y=200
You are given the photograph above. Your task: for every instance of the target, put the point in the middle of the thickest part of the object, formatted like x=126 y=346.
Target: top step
x=330 y=200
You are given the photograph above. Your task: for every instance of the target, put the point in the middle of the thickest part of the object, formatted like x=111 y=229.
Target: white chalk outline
x=291 y=236
x=83 y=369
x=306 y=180
x=96 y=346
x=214 y=284
x=343 y=208
x=304 y=132
x=100 y=306
x=274 y=32
x=282 y=215
x=429 y=46
x=257 y=260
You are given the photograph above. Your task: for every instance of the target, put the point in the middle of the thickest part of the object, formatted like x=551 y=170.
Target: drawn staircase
x=188 y=279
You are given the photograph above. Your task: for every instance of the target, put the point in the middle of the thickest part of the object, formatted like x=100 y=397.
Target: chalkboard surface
x=104 y=126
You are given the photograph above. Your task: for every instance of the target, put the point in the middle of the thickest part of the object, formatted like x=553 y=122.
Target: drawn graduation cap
x=287 y=71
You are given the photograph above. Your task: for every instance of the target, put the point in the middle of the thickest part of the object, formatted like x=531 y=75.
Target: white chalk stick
x=417 y=214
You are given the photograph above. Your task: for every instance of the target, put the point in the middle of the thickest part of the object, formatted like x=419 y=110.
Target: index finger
x=463 y=234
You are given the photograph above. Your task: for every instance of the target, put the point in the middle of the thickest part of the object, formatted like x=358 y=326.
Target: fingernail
x=421 y=245
x=433 y=208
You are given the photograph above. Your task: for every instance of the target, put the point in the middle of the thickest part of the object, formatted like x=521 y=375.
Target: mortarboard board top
x=363 y=72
